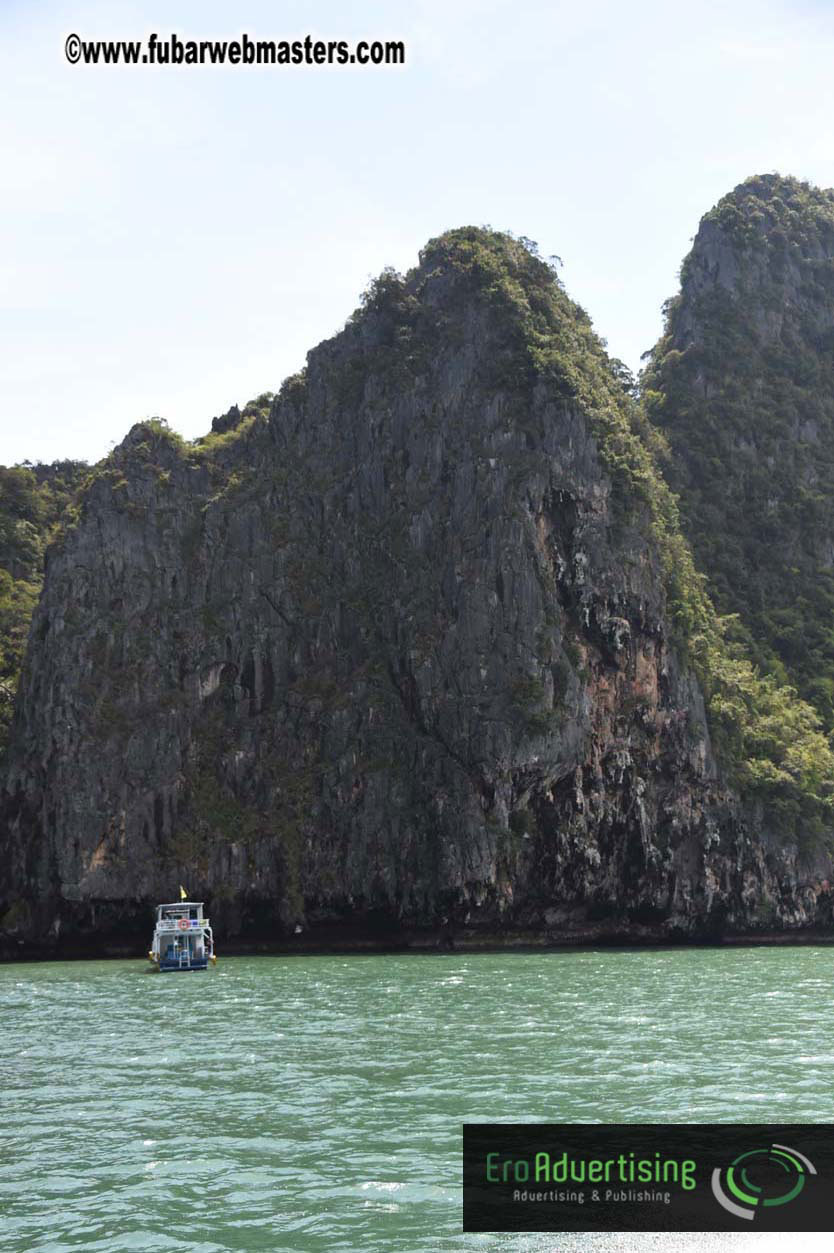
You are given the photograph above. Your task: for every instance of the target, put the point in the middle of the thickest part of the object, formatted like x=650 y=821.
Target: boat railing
x=175 y=924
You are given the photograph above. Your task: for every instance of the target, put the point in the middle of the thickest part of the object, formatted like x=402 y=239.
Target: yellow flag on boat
x=183 y=893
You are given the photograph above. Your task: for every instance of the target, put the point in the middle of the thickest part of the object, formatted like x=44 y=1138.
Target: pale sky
x=174 y=241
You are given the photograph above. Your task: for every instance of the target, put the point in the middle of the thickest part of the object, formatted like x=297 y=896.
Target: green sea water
x=316 y=1103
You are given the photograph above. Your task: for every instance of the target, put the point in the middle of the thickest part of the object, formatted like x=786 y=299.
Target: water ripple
x=316 y=1103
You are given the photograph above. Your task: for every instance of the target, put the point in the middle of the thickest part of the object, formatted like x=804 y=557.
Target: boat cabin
x=182 y=938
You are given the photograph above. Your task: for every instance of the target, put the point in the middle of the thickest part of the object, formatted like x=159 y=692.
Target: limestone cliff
x=742 y=385
x=403 y=652
x=33 y=499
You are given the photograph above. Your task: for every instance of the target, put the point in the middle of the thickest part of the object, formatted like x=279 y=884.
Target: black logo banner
x=648 y=1177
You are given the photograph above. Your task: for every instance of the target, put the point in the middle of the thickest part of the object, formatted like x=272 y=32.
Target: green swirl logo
x=762 y=1177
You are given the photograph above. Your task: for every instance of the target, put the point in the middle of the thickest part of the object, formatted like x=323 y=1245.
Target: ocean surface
x=316 y=1103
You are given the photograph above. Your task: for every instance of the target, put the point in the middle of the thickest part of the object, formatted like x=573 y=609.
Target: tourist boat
x=182 y=938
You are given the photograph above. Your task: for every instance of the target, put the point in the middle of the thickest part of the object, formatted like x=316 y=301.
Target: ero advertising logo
x=767 y=1177
x=647 y=1177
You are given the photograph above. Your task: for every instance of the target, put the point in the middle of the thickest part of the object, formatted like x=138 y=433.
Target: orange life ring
x=184 y=924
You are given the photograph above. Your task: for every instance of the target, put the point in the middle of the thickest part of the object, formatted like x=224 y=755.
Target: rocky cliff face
x=742 y=384
x=391 y=654
x=33 y=499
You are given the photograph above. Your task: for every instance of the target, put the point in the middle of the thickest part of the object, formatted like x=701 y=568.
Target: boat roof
x=180 y=905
